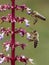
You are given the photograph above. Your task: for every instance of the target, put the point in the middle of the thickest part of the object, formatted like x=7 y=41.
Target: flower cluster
x=21 y=45
x=24 y=59
x=22 y=8
x=4 y=58
x=16 y=19
x=21 y=31
x=17 y=7
x=21 y=58
x=6 y=18
x=8 y=44
x=4 y=7
x=5 y=31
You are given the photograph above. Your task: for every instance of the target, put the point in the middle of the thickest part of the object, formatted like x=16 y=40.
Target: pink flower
x=19 y=19
x=17 y=44
x=17 y=7
x=23 y=7
x=22 y=59
x=1 y=55
x=7 y=45
x=4 y=7
x=2 y=29
x=22 y=32
x=3 y=18
x=23 y=46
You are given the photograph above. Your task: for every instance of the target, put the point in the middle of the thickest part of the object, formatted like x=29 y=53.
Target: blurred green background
x=41 y=53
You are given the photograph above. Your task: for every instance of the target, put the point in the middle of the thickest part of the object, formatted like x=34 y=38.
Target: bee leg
x=35 y=20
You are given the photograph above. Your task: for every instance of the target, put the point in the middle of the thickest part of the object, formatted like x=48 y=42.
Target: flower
x=23 y=46
x=6 y=45
x=26 y=22
x=4 y=7
x=23 y=59
x=2 y=36
x=3 y=18
x=22 y=32
x=23 y=7
x=28 y=35
x=31 y=61
x=17 y=44
x=17 y=7
x=2 y=60
x=1 y=55
x=28 y=10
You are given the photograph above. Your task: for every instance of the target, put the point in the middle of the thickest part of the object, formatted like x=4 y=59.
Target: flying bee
x=38 y=15
x=35 y=36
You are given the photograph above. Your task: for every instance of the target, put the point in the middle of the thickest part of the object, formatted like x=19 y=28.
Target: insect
x=37 y=15
x=33 y=36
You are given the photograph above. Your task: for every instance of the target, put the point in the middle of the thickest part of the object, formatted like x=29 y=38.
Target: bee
x=35 y=36
x=38 y=15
